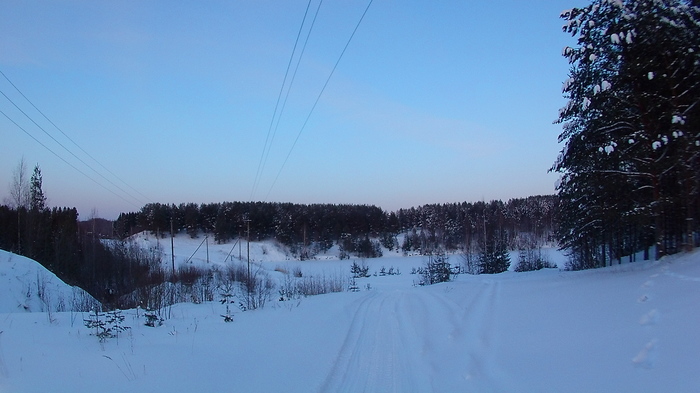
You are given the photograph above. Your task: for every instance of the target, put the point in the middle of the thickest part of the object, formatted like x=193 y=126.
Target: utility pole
x=304 y=252
x=172 y=246
x=206 y=238
x=249 y=278
x=93 y=245
x=248 y=222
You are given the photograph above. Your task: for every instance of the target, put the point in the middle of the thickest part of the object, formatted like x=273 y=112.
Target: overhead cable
x=274 y=113
x=291 y=83
x=63 y=146
x=70 y=139
x=317 y=99
x=64 y=160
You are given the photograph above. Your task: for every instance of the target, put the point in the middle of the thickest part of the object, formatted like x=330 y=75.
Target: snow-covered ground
x=26 y=286
x=627 y=328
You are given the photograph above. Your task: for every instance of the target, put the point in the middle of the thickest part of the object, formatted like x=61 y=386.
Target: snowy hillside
x=26 y=286
x=201 y=249
x=206 y=252
x=627 y=328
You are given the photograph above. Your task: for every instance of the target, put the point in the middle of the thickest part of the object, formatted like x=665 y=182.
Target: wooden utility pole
x=172 y=245
x=248 y=222
x=304 y=252
x=248 y=280
x=93 y=246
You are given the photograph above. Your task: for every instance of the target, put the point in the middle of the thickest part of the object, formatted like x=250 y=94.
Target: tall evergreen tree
x=37 y=200
x=631 y=161
x=37 y=225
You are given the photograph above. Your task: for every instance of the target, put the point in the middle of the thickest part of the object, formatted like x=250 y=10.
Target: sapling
x=152 y=319
x=227 y=299
x=106 y=325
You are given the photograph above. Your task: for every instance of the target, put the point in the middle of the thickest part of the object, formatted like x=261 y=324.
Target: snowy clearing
x=627 y=328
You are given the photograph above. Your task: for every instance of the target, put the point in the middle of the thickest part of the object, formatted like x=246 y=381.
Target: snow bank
x=26 y=286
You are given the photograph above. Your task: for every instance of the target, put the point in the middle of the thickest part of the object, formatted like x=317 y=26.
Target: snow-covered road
x=420 y=340
x=382 y=349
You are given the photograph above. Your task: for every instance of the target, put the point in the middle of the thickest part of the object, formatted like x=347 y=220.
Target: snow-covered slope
x=627 y=328
x=202 y=250
x=26 y=286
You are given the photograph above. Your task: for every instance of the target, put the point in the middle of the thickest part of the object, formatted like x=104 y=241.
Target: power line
x=317 y=99
x=64 y=147
x=64 y=160
x=72 y=141
x=274 y=113
x=291 y=83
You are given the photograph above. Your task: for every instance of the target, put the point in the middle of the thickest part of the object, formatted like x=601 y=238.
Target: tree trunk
x=658 y=220
x=689 y=217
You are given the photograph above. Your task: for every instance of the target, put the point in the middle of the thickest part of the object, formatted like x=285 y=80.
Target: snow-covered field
x=627 y=328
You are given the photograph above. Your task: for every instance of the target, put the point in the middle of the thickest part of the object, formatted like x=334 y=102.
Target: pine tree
x=494 y=257
x=631 y=161
x=37 y=200
x=437 y=269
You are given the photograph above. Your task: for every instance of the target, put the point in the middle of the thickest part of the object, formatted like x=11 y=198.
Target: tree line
x=356 y=229
x=114 y=269
x=55 y=238
x=470 y=225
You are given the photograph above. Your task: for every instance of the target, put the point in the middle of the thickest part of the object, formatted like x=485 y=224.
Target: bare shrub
x=530 y=259
x=321 y=284
x=470 y=262
x=296 y=271
x=82 y=302
x=256 y=289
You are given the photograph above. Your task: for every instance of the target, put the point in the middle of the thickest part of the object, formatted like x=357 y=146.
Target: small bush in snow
x=437 y=269
x=359 y=271
x=107 y=325
x=296 y=271
x=494 y=256
x=227 y=299
x=530 y=259
x=152 y=319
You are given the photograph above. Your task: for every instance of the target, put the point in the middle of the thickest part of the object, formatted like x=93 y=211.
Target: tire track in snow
x=349 y=350
x=472 y=336
x=480 y=336
x=379 y=352
x=420 y=340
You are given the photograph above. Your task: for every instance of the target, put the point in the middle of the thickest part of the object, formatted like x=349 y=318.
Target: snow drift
x=26 y=286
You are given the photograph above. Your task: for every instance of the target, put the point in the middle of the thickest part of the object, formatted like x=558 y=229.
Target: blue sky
x=432 y=102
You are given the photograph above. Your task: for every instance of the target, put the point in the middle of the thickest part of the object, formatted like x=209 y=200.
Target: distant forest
x=76 y=251
x=358 y=229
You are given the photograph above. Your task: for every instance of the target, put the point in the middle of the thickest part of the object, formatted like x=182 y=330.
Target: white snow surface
x=26 y=286
x=627 y=328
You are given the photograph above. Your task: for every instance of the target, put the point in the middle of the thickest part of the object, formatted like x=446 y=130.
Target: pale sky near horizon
x=433 y=101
